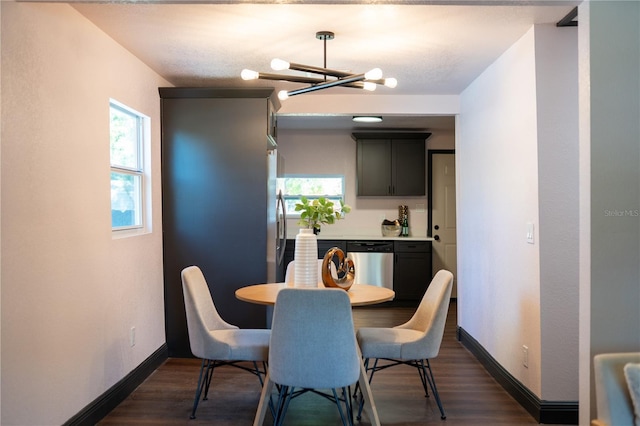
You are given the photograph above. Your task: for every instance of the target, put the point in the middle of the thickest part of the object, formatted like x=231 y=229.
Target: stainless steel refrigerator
x=276 y=217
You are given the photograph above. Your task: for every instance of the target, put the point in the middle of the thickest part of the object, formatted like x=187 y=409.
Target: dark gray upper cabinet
x=391 y=164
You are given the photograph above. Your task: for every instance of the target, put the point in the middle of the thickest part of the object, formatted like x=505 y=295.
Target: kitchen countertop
x=327 y=236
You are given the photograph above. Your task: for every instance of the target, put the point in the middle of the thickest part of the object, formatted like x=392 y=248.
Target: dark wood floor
x=469 y=394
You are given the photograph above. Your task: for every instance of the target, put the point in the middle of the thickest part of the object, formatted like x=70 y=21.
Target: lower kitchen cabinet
x=411 y=270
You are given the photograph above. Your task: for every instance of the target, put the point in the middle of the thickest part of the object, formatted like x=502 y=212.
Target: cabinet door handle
x=436 y=237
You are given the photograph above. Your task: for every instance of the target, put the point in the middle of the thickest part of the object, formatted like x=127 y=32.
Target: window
x=128 y=133
x=311 y=186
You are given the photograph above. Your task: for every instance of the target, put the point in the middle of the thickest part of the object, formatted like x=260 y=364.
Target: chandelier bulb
x=249 y=75
x=390 y=82
x=374 y=74
x=279 y=65
x=283 y=95
x=369 y=86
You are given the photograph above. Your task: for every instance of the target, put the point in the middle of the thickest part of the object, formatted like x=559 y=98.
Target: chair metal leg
x=211 y=365
x=347 y=415
x=283 y=404
x=423 y=377
x=204 y=380
x=434 y=389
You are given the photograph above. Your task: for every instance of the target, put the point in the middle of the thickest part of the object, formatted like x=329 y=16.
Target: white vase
x=306 y=259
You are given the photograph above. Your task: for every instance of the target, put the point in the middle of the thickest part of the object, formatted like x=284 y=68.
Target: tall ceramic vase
x=306 y=259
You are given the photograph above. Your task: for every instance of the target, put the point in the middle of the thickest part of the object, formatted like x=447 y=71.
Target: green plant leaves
x=319 y=211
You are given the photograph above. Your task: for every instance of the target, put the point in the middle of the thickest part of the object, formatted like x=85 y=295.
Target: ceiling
x=432 y=49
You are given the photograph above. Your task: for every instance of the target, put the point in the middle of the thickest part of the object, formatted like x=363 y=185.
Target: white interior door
x=443 y=214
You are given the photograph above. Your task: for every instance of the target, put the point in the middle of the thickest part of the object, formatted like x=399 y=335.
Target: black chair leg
x=204 y=380
x=434 y=389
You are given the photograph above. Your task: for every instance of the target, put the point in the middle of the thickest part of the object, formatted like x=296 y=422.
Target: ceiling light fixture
x=367 y=119
x=366 y=81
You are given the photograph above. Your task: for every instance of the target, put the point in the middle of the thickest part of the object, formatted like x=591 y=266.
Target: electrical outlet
x=132 y=336
x=525 y=356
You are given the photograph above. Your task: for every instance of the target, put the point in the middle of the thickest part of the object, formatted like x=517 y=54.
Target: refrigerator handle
x=281 y=237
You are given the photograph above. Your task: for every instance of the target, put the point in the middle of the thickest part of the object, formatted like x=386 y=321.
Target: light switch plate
x=530 y=232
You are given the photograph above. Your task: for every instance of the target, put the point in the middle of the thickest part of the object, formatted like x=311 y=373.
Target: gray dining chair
x=214 y=340
x=415 y=342
x=312 y=349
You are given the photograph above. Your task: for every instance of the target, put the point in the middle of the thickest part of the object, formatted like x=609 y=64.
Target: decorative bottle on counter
x=403 y=217
x=405 y=227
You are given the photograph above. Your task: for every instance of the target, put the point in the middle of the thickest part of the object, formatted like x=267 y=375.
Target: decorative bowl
x=391 y=230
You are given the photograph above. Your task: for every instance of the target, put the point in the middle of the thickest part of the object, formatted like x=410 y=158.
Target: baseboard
x=548 y=412
x=101 y=406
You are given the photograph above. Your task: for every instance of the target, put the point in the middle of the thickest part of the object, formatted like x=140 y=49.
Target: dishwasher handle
x=370 y=246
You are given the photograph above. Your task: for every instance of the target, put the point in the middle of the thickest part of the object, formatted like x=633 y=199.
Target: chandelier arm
x=291 y=78
x=318 y=70
x=340 y=82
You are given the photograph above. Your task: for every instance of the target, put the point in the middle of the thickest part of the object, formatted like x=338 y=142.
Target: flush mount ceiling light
x=367 y=119
x=367 y=81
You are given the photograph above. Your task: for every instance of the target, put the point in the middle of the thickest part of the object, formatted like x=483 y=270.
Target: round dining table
x=359 y=294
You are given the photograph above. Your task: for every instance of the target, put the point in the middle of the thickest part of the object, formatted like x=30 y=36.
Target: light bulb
x=367 y=85
x=390 y=82
x=367 y=119
x=279 y=65
x=374 y=74
x=249 y=75
x=283 y=95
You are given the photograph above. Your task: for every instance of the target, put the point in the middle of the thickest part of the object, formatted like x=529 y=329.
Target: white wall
x=506 y=169
x=334 y=152
x=498 y=272
x=557 y=116
x=609 y=186
x=70 y=292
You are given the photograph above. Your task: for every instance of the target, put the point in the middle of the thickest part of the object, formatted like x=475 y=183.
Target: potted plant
x=319 y=211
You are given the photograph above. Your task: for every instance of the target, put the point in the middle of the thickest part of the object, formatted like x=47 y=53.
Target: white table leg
x=264 y=401
x=369 y=404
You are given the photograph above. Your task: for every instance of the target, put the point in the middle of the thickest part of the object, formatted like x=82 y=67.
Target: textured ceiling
x=430 y=49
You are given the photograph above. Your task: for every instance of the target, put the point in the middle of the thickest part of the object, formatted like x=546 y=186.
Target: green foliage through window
x=294 y=187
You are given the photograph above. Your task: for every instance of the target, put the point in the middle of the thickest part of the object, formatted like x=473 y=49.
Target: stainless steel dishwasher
x=373 y=262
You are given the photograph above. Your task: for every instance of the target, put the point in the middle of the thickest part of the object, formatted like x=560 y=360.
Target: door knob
x=436 y=237
x=436 y=227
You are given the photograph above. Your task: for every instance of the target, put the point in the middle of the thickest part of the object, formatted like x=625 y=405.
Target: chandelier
x=330 y=78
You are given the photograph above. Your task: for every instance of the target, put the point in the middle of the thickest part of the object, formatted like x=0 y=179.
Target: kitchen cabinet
x=214 y=199
x=411 y=270
x=390 y=164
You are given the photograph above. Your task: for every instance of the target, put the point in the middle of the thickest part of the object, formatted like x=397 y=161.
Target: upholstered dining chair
x=312 y=348
x=415 y=342
x=214 y=340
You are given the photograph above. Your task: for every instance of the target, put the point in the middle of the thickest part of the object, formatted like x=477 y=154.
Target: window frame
x=139 y=172
x=293 y=198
